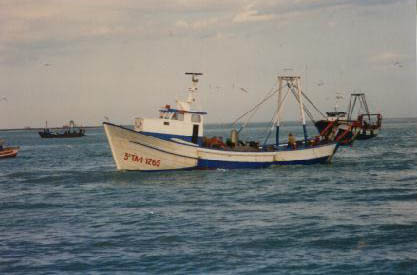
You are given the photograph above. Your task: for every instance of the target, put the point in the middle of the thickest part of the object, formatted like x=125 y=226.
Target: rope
x=305 y=107
x=312 y=104
x=247 y=121
x=256 y=106
x=268 y=133
x=268 y=96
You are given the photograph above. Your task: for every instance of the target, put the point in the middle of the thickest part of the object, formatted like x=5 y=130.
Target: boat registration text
x=147 y=161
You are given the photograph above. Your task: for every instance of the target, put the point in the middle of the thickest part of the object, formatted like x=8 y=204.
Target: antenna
x=194 y=73
x=186 y=105
x=194 y=78
x=339 y=96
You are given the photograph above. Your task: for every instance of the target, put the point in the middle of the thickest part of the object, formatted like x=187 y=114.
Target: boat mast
x=303 y=116
x=291 y=82
x=192 y=91
x=360 y=97
x=278 y=114
x=339 y=95
x=277 y=119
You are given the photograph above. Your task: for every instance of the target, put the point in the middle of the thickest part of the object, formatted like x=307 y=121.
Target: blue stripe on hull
x=303 y=162
x=204 y=164
x=214 y=164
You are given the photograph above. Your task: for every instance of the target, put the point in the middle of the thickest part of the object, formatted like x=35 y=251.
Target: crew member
x=291 y=141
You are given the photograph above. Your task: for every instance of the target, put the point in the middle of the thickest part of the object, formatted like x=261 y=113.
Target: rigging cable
x=275 y=117
x=255 y=108
x=268 y=134
x=306 y=110
x=312 y=104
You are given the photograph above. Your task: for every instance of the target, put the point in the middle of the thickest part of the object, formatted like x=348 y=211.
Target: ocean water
x=65 y=209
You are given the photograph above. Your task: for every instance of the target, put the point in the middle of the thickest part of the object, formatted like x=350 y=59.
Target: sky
x=84 y=60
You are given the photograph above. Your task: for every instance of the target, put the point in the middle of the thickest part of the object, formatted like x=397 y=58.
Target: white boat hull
x=135 y=151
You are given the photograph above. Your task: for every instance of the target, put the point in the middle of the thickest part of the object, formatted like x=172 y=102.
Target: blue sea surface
x=65 y=209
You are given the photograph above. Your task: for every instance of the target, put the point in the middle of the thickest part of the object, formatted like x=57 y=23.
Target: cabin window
x=166 y=123
x=195 y=118
x=180 y=116
x=177 y=116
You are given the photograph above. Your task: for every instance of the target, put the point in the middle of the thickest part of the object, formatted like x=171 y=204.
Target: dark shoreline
x=41 y=129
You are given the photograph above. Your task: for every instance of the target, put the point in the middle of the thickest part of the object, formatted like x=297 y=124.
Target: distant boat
x=7 y=152
x=338 y=128
x=71 y=132
x=342 y=127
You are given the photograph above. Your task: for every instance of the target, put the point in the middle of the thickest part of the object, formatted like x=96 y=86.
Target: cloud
x=37 y=25
x=197 y=24
x=249 y=14
x=182 y=24
x=99 y=48
x=388 y=57
x=390 y=60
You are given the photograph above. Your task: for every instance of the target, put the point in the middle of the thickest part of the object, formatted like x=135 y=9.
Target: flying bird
x=244 y=90
x=398 y=64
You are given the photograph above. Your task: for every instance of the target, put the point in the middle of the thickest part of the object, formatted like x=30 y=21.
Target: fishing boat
x=370 y=124
x=175 y=140
x=70 y=131
x=337 y=127
x=7 y=152
x=344 y=128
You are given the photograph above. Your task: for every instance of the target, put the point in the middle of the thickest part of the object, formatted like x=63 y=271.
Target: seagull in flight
x=398 y=64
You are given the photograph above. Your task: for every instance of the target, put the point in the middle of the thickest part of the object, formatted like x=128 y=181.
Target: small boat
x=70 y=132
x=342 y=127
x=370 y=124
x=7 y=152
x=175 y=140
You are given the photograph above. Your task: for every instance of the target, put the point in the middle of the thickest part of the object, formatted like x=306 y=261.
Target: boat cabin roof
x=171 y=110
x=336 y=113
